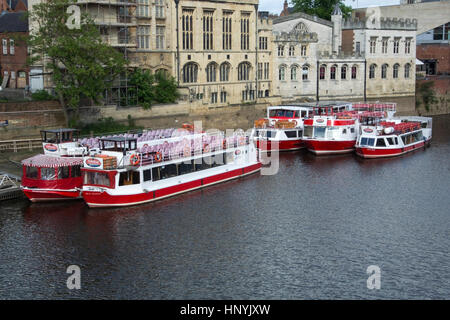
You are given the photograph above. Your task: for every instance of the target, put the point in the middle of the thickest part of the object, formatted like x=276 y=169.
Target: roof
x=43 y=161
x=298 y=15
x=13 y=22
x=118 y=139
x=60 y=130
x=337 y=10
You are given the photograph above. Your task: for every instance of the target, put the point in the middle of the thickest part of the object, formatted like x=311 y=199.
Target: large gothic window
x=190 y=71
x=211 y=71
x=244 y=71
x=225 y=71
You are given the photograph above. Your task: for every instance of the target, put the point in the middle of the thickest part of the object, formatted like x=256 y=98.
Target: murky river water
x=308 y=232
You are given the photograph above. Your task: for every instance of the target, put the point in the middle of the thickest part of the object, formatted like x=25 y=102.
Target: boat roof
x=43 y=161
x=118 y=139
x=289 y=108
x=60 y=130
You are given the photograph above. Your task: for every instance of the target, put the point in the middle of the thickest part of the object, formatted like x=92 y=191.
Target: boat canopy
x=43 y=161
x=60 y=135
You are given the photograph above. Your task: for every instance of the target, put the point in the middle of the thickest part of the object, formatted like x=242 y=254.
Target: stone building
x=343 y=59
x=13 y=56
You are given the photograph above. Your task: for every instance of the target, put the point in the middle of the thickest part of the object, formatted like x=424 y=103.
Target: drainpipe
x=365 y=80
x=178 y=46
x=317 y=80
x=256 y=54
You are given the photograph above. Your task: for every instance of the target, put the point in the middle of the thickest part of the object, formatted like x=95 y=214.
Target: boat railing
x=157 y=157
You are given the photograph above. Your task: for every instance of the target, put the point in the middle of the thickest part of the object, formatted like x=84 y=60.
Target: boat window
x=304 y=113
x=48 y=174
x=271 y=134
x=291 y=134
x=289 y=113
x=367 y=142
x=307 y=132
x=96 y=178
x=396 y=140
x=297 y=114
x=201 y=166
x=380 y=142
x=256 y=133
x=344 y=131
x=390 y=141
x=404 y=139
x=31 y=172
x=185 y=168
x=300 y=133
x=129 y=177
x=75 y=171
x=156 y=174
x=279 y=113
x=63 y=172
x=147 y=175
x=352 y=130
x=168 y=171
x=319 y=132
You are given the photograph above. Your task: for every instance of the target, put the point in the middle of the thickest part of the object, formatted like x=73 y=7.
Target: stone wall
x=26 y=119
x=441 y=103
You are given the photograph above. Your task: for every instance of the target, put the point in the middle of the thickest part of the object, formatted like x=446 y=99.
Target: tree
x=146 y=88
x=81 y=65
x=321 y=8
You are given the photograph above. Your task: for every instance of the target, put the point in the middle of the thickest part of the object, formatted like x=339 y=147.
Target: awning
x=51 y=162
x=418 y=62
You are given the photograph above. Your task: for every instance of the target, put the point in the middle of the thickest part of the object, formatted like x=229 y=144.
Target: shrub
x=42 y=95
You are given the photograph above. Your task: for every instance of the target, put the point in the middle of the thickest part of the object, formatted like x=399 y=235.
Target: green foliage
x=426 y=93
x=146 y=88
x=109 y=125
x=79 y=62
x=321 y=8
x=42 y=95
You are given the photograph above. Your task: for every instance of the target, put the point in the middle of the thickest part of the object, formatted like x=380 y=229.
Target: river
x=308 y=232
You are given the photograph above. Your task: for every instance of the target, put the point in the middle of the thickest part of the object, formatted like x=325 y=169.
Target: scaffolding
x=117 y=24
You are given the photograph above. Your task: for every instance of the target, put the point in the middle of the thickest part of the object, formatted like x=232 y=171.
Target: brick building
x=13 y=51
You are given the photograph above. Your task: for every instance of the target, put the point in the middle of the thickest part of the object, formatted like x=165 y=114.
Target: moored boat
x=56 y=174
x=122 y=173
x=282 y=130
x=394 y=137
x=329 y=132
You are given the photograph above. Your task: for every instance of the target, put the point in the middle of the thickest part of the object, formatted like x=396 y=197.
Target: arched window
x=280 y=50
x=305 y=71
x=344 y=72
x=225 y=71
x=244 y=71
x=211 y=71
x=384 y=71
x=322 y=71
x=354 y=72
x=294 y=73
x=190 y=71
x=407 y=70
x=395 y=71
x=372 y=71
x=281 y=73
x=291 y=51
x=333 y=72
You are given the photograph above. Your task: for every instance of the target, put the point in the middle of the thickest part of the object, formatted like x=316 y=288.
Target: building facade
x=13 y=55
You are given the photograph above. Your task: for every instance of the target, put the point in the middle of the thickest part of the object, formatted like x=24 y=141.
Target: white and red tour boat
x=282 y=130
x=333 y=131
x=394 y=137
x=125 y=172
x=56 y=174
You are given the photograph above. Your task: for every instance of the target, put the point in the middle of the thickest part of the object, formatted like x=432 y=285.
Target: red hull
x=39 y=195
x=103 y=199
x=384 y=153
x=283 y=145
x=323 y=147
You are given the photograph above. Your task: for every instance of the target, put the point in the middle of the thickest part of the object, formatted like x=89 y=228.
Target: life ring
x=187 y=151
x=134 y=159
x=224 y=143
x=295 y=122
x=206 y=148
x=158 y=157
x=241 y=141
